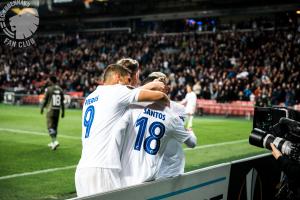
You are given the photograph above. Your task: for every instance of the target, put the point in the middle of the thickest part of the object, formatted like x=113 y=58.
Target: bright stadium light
x=87 y=3
x=199 y=23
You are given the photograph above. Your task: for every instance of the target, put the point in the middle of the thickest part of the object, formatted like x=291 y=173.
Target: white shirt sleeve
x=191 y=142
x=128 y=96
x=179 y=109
x=179 y=132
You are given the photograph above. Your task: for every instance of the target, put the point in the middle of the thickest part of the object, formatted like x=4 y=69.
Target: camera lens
x=257 y=137
x=268 y=140
x=261 y=139
x=281 y=144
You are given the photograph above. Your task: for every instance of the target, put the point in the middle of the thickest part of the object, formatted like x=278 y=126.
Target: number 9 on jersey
x=88 y=120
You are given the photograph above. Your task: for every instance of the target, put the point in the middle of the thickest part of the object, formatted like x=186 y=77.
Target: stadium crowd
x=261 y=66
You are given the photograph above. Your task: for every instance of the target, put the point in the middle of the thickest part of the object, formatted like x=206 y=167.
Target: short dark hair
x=114 y=69
x=53 y=79
x=148 y=80
x=130 y=64
x=155 y=75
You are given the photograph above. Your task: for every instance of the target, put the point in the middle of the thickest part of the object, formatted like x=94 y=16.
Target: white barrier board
x=204 y=184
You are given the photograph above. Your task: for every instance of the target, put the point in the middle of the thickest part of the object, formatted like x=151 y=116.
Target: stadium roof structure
x=83 y=13
x=121 y=8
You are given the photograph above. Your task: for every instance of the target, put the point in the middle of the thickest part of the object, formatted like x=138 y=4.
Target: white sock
x=190 y=121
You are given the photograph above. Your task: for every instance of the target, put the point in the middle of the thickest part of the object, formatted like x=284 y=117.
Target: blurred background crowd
x=261 y=66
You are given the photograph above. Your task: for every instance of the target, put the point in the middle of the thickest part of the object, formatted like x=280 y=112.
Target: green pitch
x=39 y=173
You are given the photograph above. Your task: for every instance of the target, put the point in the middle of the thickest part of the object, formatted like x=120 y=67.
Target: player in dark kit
x=53 y=100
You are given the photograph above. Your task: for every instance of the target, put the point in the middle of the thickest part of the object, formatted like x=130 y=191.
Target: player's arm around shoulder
x=128 y=95
x=150 y=95
x=154 y=85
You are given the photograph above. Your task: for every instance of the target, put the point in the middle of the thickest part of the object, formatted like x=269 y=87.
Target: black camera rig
x=279 y=126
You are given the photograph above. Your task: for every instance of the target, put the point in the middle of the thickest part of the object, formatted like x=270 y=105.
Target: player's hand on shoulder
x=155 y=85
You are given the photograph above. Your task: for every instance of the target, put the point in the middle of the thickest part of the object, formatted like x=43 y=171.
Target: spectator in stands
x=247 y=92
x=197 y=89
x=222 y=64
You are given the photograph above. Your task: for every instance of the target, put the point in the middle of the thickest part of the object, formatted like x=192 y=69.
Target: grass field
x=24 y=151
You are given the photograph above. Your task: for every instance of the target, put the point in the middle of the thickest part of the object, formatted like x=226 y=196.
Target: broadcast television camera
x=279 y=126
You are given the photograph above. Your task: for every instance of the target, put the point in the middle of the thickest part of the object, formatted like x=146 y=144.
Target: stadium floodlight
x=87 y=3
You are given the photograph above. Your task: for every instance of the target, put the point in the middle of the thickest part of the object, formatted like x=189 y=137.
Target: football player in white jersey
x=134 y=68
x=174 y=160
x=190 y=102
x=98 y=168
x=145 y=130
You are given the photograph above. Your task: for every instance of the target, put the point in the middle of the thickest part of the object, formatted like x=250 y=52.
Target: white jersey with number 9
x=101 y=111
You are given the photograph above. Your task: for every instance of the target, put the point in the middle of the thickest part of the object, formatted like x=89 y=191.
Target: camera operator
x=290 y=190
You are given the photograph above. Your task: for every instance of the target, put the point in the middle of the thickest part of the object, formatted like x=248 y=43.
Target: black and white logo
x=20 y=27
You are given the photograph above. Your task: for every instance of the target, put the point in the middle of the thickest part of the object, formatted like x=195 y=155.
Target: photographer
x=290 y=190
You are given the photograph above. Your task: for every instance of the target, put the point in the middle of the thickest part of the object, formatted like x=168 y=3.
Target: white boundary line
x=77 y=138
x=73 y=166
x=37 y=133
x=37 y=172
x=216 y=144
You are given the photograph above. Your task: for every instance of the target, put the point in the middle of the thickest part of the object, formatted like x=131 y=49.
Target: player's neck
x=110 y=83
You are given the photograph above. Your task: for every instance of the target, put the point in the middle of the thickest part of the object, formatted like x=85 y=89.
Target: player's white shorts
x=92 y=180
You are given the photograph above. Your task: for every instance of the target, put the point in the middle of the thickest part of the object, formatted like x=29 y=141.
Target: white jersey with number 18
x=146 y=131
